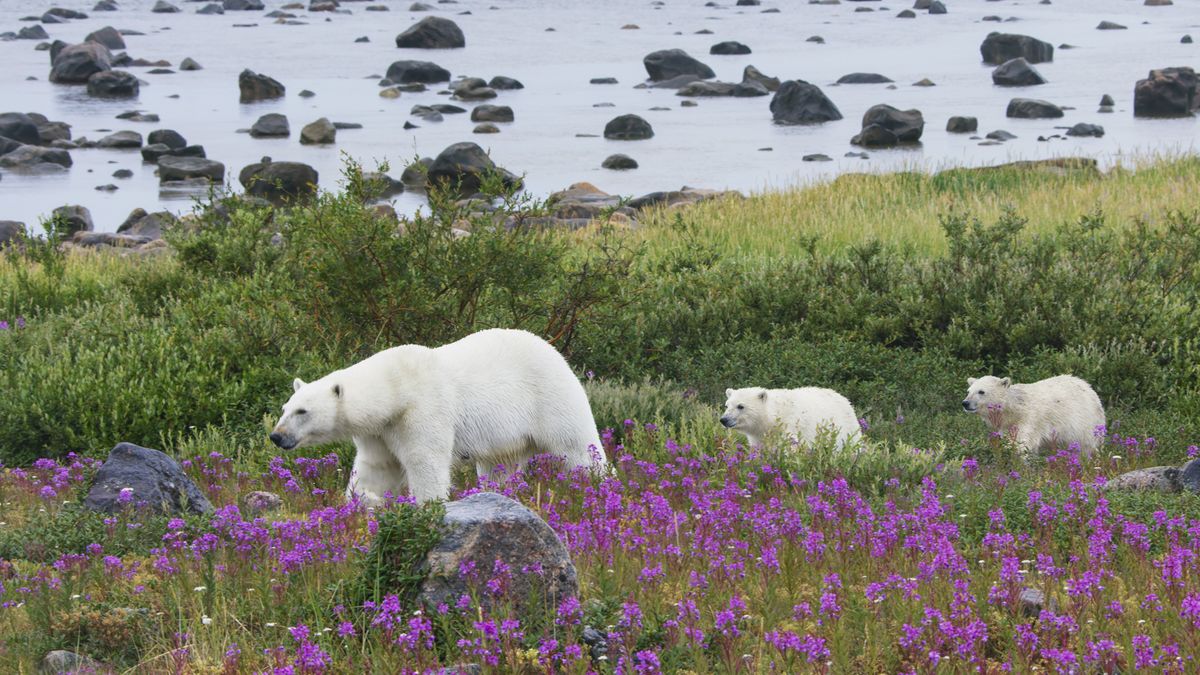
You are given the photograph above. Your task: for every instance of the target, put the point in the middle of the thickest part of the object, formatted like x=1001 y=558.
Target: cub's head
x=745 y=410
x=310 y=417
x=985 y=392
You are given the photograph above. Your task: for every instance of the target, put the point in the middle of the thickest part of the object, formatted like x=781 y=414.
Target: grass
x=902 y=209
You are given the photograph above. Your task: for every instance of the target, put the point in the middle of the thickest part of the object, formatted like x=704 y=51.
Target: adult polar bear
x=496 y=396
x=1057 y=411
x=800 y=413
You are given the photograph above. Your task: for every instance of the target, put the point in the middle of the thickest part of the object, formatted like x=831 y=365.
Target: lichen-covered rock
x=487 y=528
x=153 y=480
x=1154 y=479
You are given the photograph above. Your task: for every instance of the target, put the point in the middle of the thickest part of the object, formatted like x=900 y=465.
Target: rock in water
x=107 y=36
x=492 y=113
x=317 y=133
x=74 y=64
x=461 y=168
x=486 y=529
x=271 y=125
x=153 y=480
x=798 y=102
x=425 y=72
x=619 y=162
x=279 y=182
x=1031 y=109
x=72 y=219
x=628 y=128
x=432 y=32
x=256 y=87
x=20 y=128
x=1166 y=92
x=883 y=125
x=666 y=64
x=177 y=168
x=962 y=125
x=1016 y=73
x=113 y=84
x=1000 y=47
x=730 y=48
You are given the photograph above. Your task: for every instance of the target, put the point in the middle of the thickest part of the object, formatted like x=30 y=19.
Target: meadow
x=921 y=553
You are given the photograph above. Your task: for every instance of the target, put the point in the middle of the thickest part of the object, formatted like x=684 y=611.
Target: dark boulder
x=164 y=7
x=149 y=225
x=488 y=531
x=37 y=159
x=1000 y=47
x=320 y=132
x=1154 y=479
x=752 y=74
x=706 y=88
x=1189 y=476
x=113 y=84
x=256 y=87
x=1166 y=92
x=121 y=140
x=11 y=232
x=864 y=78
x=271 y=125
x=473 y=89
x=19 y=127
x=1016 y=73
x=883 y=125
x=152 y=152
x=243 y=5
x=1109 y=25
x=799 y=102
x=137 y=477
x=74 y=64
x=666 y=64
x=173 y=168
x=1085 y=129
x=628 y=128
x=279 y=182
x=105 y=6
x=619 y=162
x=107 y=36
x=962 y=125
x=432 y=32
x=503 y=83
x=35 y=32
x=72 y=219
x=462 y=167
x=425 y=72
x=1032 y=109
x=729 y=48
x=168 y=137
x=492 y=113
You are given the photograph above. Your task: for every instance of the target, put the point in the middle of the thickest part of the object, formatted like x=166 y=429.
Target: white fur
x=494 y=397
x=799 y=413
x=1048 y=414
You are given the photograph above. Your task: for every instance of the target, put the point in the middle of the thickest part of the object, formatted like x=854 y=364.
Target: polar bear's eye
x=302 y=411
x=981 y=392
x=741 y=407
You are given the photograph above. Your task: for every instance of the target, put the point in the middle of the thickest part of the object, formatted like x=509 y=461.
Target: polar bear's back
x=1063 y=408
x=805 y=410
x=512 y=390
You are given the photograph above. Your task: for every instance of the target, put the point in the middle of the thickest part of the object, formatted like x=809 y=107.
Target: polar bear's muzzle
x=285 y=441
x=969 y=407
x=728 y=422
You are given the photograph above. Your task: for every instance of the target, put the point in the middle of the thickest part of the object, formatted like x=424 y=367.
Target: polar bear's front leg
x=376 y=472
x=427 y=457
x=1028 y=445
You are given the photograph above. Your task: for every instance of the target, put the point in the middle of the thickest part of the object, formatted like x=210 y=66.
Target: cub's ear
x=1005 y=382
x=337 y=391
x=762 y=395
x=728 y=393
x=970 y=381
x=297 y=383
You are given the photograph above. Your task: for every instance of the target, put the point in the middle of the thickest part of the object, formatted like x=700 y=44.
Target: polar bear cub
x=1046 y=414
x=494 y=397
x=800 y=413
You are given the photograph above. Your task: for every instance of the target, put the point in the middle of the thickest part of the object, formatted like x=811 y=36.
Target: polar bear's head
x=986 y=393
x=311 y=416
x=746 y=410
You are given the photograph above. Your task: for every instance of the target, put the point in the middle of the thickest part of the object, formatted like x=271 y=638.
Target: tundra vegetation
x=933 y=548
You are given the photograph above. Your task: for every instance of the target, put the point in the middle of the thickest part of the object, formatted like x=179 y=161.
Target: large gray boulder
x=11 y=232
x=492 y=113
x=1032 y=109
x=1000 y=47
x=257 y=87
x=799 y=102
x=485 y=529
x=150 y=225
x=1016 y=73
x=168 y=137
x=32 y=157
x=320 y=132
x=279 y=182
x=121 y=140
x=19 y=127
x=666 y=64
x=424 y=72
x=174 y=168
x=271 y=125
x=628 y=128
x=462 y=167
x=63 y=662
x=1154 y=479
x=108 y=36
x=73 y=218
x=885 y=126
x=74 y=64
x=1167 y=92
x=154 y=481
x=432 y=32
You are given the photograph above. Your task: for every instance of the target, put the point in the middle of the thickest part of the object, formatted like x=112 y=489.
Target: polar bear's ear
x=337 y=391
x=762 y=395
x=1005 y=382
x=297 y=383
x=970 y=381
x=728 y=393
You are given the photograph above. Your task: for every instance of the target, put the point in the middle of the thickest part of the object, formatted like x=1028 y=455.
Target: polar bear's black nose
x=966 y=405
x=277 y=438
x=726 y=422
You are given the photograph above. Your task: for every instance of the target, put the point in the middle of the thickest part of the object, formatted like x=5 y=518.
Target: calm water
x=715 y=145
